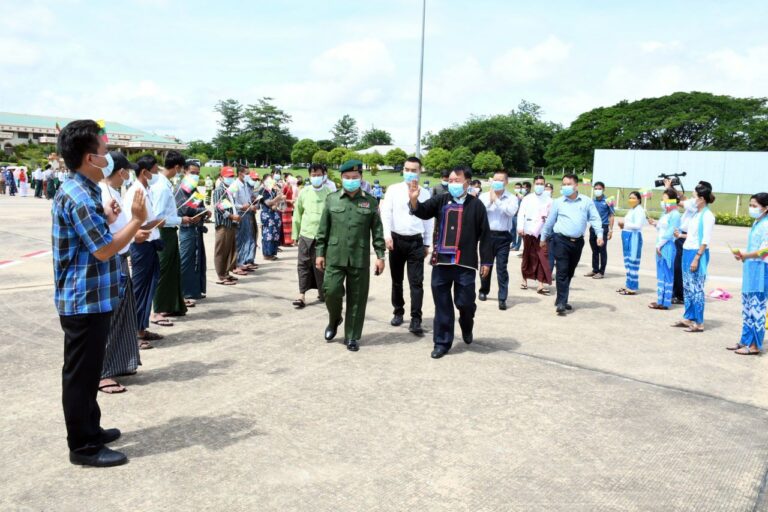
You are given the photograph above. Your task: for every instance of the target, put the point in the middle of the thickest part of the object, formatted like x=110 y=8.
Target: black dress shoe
x=439 y=352
x=330 y=331
x=104 y=458
x=560 y=310
x=482 y=296
x=415 y=327
x=353 y=345
x=396 y=321
x=568 y=307
x=109 y=435
x=468 y=338
x=503 y=305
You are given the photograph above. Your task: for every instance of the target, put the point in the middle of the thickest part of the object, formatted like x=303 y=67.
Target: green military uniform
x=344 y=238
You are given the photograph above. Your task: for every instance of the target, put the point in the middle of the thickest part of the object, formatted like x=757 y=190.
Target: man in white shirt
x=169 y=298
x=145 y=263
x=501 y=206
x=37 y=182
x=534 y=210
x=408 y=240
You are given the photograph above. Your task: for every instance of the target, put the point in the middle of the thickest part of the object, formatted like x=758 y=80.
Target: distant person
x=689 y=211
x=475 y=187
x=565 y=226
x=754 y=283
x=37 y=182
x=696 y=258
x=191 y=236
x=23 y=183
x=665 y=249
x=516 y=238
x=442 y=187
x=632 y=242
x=87 y=286
x=226 y=218
x=607 y=216
x=378 y=192
x=531 y=217
x=271 y=227
x=526 y=188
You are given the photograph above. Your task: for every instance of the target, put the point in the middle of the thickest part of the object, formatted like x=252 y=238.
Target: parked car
x=214 y=163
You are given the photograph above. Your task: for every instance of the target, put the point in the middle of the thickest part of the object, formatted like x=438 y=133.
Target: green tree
x=487 y=162
x=345 y=131
x=437 y=159
x=231 y=112
x=303 y=151
x=461 y=156
x=320 y=157
x=265 y=137
x=373 y=159
x=326 y=144
x=336 y=156
x=374 y=137
x=395 y=157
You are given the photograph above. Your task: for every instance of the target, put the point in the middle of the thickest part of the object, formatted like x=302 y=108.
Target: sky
x=161 y=65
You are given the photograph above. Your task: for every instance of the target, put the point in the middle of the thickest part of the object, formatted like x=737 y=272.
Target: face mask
x=317 y=181
x=153 y=179
x=410 y=176
x=256 y=183
x=229 y=181
x=755 y=213
x=524 y=191
x=538 y=189
x=456 y=189
x=598 y=192
x=106 y=171
x=633 y=201
x=566 y=190
x=445 y=183
x=194 y=179
x=517 y=191
x=350 y=185
x=547 y=193
x=249 y=181
x=497 y=185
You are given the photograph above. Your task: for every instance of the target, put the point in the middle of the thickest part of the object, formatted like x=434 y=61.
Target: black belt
x=569 y=238
x=407 y=237
x=500 y=233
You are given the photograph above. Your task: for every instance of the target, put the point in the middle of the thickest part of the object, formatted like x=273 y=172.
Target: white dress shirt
x=164 y=204
x=128 y=201
x=107 y=195
x=533 y=211
x=693 y=240
x=501 y=212
x=396 y=214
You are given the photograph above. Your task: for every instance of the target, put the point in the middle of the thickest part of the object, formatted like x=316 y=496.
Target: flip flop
x=144 y=345
x=656 y=305
x=115 y=384
x=680 y=324
x=694 y=329
x=543 y=291
x=597 y=276
x=627 y=292
x=298 y=303
x=735 y=347
x=189 y=303
x=226 y=283
x=151 y=336
x=523 y=286
x=163 y=322
x=747 y=353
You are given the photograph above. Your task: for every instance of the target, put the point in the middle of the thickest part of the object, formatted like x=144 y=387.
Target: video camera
x=675 y=178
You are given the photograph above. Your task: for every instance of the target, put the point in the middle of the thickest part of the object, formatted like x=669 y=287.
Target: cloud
x=18 y=52
x=657 y=46
x=520 y=64
x=742 y=72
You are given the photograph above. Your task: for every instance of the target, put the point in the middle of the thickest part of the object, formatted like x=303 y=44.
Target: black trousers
x=408 y=251
x=599 y=254
x=567 y=252
x=460 y=280
x=501 y=241
x=677 y=288
x=85 y=340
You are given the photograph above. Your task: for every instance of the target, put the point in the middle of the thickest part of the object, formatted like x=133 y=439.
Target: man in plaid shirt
x=87 y=285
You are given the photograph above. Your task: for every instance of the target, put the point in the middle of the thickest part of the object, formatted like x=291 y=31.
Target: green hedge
x=728 y=219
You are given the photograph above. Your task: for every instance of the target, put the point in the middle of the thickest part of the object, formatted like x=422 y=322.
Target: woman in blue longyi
x=666 y=250
x=632 y=242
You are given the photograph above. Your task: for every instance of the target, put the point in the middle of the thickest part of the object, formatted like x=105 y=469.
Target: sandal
x=163 y=322
x=597 y=276
x=239 y=272
x=745 y=351
x=114 y=385
x=298 y=303
x=656 y=305
x=735 y=347
x=227 y=282
x=151 y=336
x=681 y=323
x=189 y=303
x=543 y=291
x=694 y=329
x=524 y=286
x=144 y=345
x=621 y=290
x=627 y=292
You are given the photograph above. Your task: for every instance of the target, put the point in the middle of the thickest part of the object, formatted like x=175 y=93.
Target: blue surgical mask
x=106 y=171
x=410 y=176
x=229 y=181
x=316 y=181
x=538 y=189
x=456 y=189
x=566 y=190
x=755 y=213
x=523 y=191
x=547 y=193
x=497 y=185
x=517 y=190
x=598 y=192
x=249 y=181
x=350 y=185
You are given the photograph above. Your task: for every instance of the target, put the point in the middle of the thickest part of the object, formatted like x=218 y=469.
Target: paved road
x=245 y=407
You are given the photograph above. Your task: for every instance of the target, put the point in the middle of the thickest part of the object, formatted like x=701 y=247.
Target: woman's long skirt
x=632 y=245
x=693 y=286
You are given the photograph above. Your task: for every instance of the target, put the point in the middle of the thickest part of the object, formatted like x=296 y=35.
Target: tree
x=681 y=121
x=231 y=112
x=437 y=159
x=320 y=157
x=325 y=144
x=336 y=156
x=461 y=156
x=395 y=157
x=374 y=158
x=374 y=137
x=303 y=151
x=487 y=162
x=265 y=137
x=345 y=131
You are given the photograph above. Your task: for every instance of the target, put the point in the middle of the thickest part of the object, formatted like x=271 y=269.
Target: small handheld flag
x=611 y=201
x=645 y=193
x=586 y=181
x=763 y=253
x=103 y=131
x=225 y=204
x=189 y=183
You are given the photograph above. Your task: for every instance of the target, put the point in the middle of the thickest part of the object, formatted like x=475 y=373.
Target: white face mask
x=153 y=179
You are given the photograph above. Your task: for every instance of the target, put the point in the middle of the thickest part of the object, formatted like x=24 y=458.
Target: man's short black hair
x=445 y=173
x=572 y=177
x=502 y=171
x=539 y=177
x=527 y=185
x=190 y=163
x=78 y=139
x=464 y=171
x=599 y=184
x=146 y=163
x=518 y=184
x=318 y=167
x=476 y=183
x=174 y=158
x=413 y=159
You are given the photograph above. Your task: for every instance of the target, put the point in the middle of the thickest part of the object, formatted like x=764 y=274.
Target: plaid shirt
x=84 y=284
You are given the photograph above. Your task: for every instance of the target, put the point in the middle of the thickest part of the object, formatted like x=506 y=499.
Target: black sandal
x=298 y=303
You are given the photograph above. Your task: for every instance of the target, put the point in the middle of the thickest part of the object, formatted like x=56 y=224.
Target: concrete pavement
x=244 y=406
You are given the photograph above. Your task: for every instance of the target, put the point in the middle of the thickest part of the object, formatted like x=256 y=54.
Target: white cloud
x=743 y=73
x=657 y=46
x=19 y=52
x=521 y=64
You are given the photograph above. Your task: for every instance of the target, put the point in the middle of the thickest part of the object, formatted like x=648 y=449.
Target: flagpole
x=421 y=77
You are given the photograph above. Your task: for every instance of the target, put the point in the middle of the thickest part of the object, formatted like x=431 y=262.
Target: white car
x=214 y=163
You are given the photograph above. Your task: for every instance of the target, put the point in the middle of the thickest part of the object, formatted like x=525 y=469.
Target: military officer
x=349 y=220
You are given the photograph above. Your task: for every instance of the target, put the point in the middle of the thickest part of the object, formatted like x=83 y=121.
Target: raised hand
x=139 y=207
x=414 y=190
